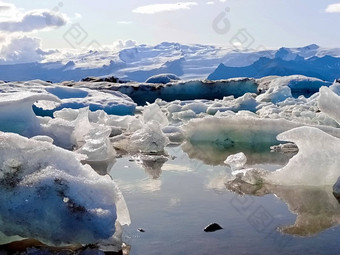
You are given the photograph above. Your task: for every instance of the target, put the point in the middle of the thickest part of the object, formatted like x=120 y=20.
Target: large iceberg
x=47 y=194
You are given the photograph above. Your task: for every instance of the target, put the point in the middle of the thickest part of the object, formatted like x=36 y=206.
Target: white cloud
x=15 y=23
x=78 y=15
x=210 y=2
x=6 y=6
x=124 y=22
x=157 y=8
x=21 y=50
x=333 y=8
x=118 y=45
x=33 y=20
x=8 y=12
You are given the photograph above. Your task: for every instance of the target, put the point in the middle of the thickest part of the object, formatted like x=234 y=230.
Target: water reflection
x=212 y=154
x=152 y=164
x=316 y=207
x=101 y=167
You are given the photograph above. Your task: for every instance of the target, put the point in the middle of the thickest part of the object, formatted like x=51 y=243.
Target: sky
x=28 y=25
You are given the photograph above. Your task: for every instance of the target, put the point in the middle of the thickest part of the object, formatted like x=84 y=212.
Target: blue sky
x=270 y=23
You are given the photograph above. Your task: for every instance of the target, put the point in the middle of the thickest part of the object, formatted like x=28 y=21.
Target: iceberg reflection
x=316 y=207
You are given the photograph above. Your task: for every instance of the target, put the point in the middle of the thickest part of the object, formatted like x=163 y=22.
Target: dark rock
x=212 y=227
x=110 y=79
x=336 y=190
x=141 y=230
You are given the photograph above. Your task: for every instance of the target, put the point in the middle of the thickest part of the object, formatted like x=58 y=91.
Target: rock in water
x=336 y=190
x=212 y=227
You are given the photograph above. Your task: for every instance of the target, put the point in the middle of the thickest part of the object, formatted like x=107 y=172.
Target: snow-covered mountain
x=139 y=62
x=326 y=68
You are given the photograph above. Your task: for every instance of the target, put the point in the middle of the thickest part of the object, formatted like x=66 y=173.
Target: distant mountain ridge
x=139 y=62
x=326 y=68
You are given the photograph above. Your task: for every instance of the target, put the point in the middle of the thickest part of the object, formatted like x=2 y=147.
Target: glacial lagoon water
x=172 y=200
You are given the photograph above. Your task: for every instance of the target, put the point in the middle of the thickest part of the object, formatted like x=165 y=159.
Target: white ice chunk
x=236 y=161
x=149 y=139
x=129 y=123
x=275 y=94
x=61 y=131
x=329 y=103
x=196 y=107
x=184 y=115
x=92 y=139
x=317 y=162
x=152 y=112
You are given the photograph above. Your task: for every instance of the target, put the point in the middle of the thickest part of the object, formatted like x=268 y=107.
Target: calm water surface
x=173 y=200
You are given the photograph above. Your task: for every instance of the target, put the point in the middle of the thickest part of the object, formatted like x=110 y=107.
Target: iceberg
x=48 y=195
x=317 y=162
x=16 y=114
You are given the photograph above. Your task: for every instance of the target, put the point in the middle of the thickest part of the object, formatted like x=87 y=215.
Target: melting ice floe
x=47 y=194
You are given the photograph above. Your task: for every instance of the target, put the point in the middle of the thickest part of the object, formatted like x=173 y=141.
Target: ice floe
x=42 y=184
x=316 y=163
